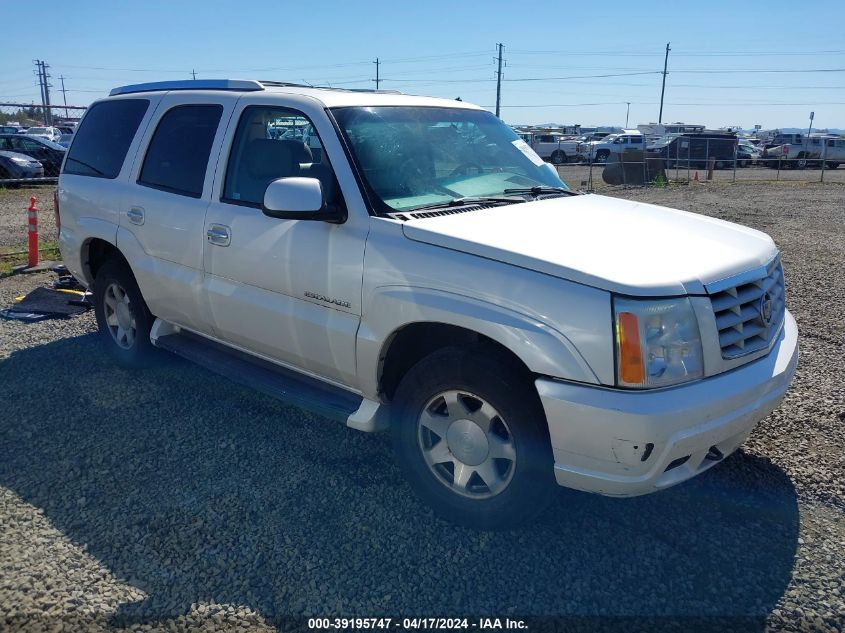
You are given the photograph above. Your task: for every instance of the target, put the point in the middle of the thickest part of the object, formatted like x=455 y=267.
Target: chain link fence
x=33 y=141
x=700 y=158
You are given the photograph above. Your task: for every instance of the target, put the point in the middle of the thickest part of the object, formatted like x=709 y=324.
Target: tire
x=442 y=405
x=801 y=163
x=559 y=157
x=601 y=156
x=122 y=315
x=829 y=165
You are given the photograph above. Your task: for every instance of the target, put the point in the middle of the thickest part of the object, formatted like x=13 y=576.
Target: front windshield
x=412 y=157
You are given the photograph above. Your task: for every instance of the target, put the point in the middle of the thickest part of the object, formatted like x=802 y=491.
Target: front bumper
x=628 y=443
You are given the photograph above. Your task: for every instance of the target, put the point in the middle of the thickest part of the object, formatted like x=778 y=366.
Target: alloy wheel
x=120 y=316
x=466 y=444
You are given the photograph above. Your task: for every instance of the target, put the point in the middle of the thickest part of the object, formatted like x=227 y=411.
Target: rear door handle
x=136 y=215
x=219 y=235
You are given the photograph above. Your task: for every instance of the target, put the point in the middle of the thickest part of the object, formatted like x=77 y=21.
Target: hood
x=622 y=246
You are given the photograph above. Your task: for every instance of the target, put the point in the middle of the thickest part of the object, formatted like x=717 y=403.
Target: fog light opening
x=714 y=454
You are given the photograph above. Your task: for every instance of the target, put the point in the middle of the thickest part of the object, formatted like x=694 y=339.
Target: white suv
x=599 y=151
x=428 y=274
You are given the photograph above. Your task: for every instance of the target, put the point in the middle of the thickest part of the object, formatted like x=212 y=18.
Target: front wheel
x=122 y=315
x=558 y=157
x=471 y=437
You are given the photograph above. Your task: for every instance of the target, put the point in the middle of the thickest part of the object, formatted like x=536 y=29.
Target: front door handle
x=219 y=235
x=136 y=215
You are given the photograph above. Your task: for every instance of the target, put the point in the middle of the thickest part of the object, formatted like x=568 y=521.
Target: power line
x=762 y=70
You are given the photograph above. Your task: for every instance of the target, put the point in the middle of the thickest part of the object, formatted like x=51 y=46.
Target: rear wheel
x=601 y=155
x=471 y=437
x=720 y=164
x=122 y=315
x=802 y=162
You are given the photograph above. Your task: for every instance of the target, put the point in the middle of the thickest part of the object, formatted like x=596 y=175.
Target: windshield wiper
x=539 y=191
x=460 y=202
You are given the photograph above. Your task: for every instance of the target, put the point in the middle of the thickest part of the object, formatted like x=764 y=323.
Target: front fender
x=543 y=349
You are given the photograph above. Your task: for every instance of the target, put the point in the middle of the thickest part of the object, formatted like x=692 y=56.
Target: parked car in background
x=19 y=166
x=65 y=140
x=9 y=129
x=599 y=151
x=429 y=275
x=783 y=139
x=49 y=154
x=553 y=147
x=693 y=150
x=747 y=154
x=810 y=152
x=50 y=133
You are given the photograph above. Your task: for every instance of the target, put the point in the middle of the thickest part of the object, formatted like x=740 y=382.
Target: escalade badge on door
x=325 y=299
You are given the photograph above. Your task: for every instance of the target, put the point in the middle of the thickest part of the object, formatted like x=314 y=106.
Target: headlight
x=20 y=161
x=657 y=342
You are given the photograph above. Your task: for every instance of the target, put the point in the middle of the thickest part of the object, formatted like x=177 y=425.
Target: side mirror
x=298 y=198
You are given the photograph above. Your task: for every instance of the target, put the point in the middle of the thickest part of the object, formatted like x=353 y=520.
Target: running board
x=271 y=379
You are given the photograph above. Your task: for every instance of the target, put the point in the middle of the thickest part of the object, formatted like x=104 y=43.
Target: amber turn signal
x=631 y=369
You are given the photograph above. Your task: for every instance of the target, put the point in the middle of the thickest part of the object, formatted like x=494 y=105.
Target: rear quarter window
x=177 y=157
x=104 y=136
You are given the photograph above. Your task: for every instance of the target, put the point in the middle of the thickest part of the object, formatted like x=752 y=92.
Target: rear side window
x=177 y=157
x=104 y=136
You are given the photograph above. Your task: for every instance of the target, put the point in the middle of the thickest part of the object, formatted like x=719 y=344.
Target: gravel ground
x=174 y=500
x=13 y=217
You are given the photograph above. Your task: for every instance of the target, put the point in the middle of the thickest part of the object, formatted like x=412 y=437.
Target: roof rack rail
x=245 y=85
x=239 y=85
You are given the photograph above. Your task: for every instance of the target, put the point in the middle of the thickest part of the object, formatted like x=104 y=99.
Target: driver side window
x=272 y=143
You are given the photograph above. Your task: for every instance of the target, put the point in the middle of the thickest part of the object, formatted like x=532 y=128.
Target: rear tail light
x=56 y=210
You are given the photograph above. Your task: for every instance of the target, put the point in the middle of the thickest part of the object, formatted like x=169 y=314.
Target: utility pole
x=499 y=79
x=194 y=74
x=627 y=112
x=40 y=84
x=377 y=78
x=64 y=93
x=43 y=80
x=663 y=89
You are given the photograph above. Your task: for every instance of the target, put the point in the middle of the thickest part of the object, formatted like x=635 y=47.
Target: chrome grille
x=740 y=312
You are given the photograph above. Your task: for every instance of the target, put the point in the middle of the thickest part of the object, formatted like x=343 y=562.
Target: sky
x=731 y=63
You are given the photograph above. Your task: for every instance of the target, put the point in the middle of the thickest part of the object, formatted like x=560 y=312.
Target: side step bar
x=273 y=380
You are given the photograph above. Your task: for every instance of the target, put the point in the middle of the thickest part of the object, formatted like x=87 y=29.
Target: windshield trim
x=373 y=203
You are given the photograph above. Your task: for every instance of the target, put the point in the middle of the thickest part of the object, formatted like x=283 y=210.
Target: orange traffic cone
x=696 y=177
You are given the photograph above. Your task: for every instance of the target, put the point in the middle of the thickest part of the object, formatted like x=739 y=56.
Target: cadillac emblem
x=767 y=309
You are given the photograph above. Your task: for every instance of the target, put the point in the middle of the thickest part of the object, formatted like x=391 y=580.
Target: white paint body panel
x=599 y=435
x=538 y=277
x=622 y=246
